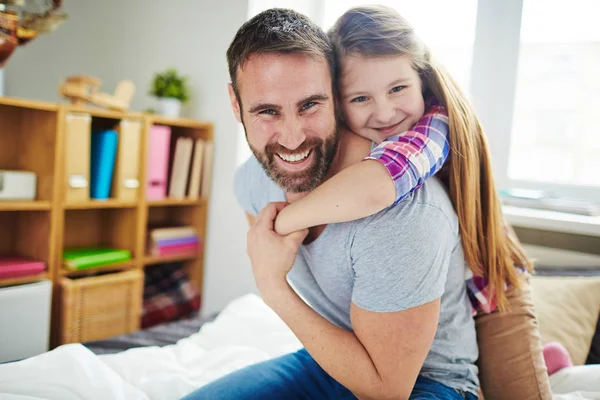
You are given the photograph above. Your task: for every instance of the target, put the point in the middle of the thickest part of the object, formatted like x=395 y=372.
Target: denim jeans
x=298 y=376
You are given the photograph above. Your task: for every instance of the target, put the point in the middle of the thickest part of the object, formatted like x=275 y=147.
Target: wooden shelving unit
x=35 y=136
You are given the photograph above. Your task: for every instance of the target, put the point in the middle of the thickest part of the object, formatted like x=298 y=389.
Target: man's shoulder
x=420 y=209
x=253 y=188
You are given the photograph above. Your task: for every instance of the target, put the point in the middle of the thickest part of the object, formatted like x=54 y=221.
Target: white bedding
x=245 y=332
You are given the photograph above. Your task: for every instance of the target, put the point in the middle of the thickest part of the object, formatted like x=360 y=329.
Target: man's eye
x=308 y=105
x=359 y=99
x=396 y=89
x=270 y=111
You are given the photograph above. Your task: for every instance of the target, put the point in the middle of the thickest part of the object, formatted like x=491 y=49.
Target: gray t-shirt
x=401 y=257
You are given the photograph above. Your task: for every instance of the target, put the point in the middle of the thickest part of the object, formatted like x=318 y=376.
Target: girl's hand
x=272 y=255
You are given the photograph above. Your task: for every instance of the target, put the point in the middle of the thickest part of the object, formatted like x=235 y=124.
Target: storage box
x=98 y=307
x=17 y=185
x=24 y=320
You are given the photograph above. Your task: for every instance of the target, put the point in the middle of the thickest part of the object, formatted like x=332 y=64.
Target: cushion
x=567 y=310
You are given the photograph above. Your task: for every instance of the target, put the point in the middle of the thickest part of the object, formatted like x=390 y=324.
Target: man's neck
x=351 y=150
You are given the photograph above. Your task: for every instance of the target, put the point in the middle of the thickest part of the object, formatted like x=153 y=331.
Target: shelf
x=102 y=112
x=177 y=202
x=105 y=268
x=95 y=204
x=23 y=279
x=179 y=122
x=24 y=205
x=26 y=103
x=152 y=260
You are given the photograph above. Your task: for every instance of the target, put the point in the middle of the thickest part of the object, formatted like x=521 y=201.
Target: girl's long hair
x=491 y=249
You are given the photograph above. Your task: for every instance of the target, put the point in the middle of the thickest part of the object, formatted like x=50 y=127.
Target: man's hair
x=278 y=30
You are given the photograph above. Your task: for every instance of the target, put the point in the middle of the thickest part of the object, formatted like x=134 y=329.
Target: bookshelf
x=39 y=136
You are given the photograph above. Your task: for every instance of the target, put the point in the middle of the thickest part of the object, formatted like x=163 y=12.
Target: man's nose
x=291 y=135
x=385 y=113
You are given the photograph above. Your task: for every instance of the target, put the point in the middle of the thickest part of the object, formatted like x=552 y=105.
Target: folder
x=181 y=167
x=104 y=149
x=158 y=162
x=126 y=181
x=196 y=170
x=207 y=168
x=77 y=157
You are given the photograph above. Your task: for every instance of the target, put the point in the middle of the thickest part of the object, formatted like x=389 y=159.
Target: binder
x=104 y=149
x=77 y=157
x=196 y=170
x=207 y=169
x=181 y=167
x=126 y=182
x=158 y=162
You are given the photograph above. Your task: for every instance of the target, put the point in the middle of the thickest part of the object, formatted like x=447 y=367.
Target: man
x=379 y=303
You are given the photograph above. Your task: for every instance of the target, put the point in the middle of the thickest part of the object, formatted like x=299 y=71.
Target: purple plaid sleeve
x=418 y=154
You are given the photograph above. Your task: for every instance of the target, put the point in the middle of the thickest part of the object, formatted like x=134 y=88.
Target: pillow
x=567 y=310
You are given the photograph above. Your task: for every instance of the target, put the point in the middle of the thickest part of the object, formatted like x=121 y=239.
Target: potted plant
x=172 y=90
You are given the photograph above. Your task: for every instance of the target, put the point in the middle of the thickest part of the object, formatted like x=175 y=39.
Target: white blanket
x=245 y=332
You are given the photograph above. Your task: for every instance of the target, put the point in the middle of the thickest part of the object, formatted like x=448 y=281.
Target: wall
x=133 y=39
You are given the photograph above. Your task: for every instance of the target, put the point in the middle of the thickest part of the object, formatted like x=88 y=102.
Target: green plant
x=170 y=84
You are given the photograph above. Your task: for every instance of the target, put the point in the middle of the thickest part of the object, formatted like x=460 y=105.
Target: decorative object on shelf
x=84 y=89
x=172 y=90
x=21 y=21
x=84 y=258
x=17 y=185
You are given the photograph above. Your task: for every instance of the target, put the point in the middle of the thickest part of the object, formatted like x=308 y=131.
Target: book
x=15 y=267
x=196 y=171
x=157 y=234
x=83 y=258
x=207 y=169
x=103 y=154
x=175 y=250
x=181 y=167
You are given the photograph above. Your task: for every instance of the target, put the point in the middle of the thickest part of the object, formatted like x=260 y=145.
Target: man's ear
x=235 y=104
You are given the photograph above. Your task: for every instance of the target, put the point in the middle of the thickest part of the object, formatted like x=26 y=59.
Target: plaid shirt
x=416 y=155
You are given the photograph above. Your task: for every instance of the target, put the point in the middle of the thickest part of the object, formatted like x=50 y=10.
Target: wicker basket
x=99 y=307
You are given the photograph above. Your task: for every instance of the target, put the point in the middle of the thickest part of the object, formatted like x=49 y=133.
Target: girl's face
x=381 y=96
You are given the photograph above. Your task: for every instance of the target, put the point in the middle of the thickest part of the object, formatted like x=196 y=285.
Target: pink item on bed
x=556 y=357
x=15 y=267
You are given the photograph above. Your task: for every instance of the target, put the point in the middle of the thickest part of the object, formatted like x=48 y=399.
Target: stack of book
x=84 y=258
x=173 y=241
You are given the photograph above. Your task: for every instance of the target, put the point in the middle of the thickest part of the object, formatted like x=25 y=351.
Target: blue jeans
x=298 y=376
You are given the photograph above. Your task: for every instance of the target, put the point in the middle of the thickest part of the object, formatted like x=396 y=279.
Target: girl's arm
x=392 y=171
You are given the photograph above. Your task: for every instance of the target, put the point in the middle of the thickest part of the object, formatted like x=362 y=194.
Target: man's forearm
x=337 y=351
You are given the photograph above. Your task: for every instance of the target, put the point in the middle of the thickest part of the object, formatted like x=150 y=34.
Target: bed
x=171 y=360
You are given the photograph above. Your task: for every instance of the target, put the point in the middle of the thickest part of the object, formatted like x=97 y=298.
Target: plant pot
x=169 y=107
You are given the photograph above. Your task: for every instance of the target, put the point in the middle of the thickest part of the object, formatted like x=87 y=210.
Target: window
x=555 y=138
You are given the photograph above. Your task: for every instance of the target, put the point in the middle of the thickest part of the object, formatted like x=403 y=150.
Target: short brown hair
x=278 y=30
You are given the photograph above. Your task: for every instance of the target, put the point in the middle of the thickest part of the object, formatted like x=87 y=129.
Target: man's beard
x=308 y=179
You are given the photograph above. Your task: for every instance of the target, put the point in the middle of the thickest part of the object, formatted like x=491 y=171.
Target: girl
x=499 y=267
x=381 y=114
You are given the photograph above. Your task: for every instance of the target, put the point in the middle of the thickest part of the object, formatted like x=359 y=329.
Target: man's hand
x=272 y=255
